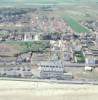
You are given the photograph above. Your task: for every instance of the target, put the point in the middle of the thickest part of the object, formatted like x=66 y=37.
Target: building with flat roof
x=53 y=70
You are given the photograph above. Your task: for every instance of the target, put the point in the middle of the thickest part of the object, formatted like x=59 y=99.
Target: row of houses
x=92 y=25
x=19 y=72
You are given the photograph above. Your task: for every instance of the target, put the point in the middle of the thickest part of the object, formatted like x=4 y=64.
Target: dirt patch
x=8 y=50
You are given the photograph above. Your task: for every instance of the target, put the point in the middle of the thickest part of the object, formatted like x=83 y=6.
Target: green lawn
x=80 y=57
x=75 y=25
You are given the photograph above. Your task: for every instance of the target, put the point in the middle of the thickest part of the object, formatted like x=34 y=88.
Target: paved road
x=78 y=64
x=92 y=82
x=66 y=64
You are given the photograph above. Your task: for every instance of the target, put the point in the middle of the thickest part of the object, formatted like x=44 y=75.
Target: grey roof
x=51 y=63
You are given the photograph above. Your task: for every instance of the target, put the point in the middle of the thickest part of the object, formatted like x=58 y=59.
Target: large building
x=53 y=70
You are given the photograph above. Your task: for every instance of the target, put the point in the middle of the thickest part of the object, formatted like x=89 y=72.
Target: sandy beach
x=19 y=90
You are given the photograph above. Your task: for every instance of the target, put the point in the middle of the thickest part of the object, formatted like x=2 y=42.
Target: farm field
x=75 y=25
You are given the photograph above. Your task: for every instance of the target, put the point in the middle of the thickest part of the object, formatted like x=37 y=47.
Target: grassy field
x=75 y=25
x=23 y=47
x=39 y=2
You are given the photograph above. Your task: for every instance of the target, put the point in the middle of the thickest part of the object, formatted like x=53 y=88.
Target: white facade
x=36 y=37
x=55 y=70
x=88 y=62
